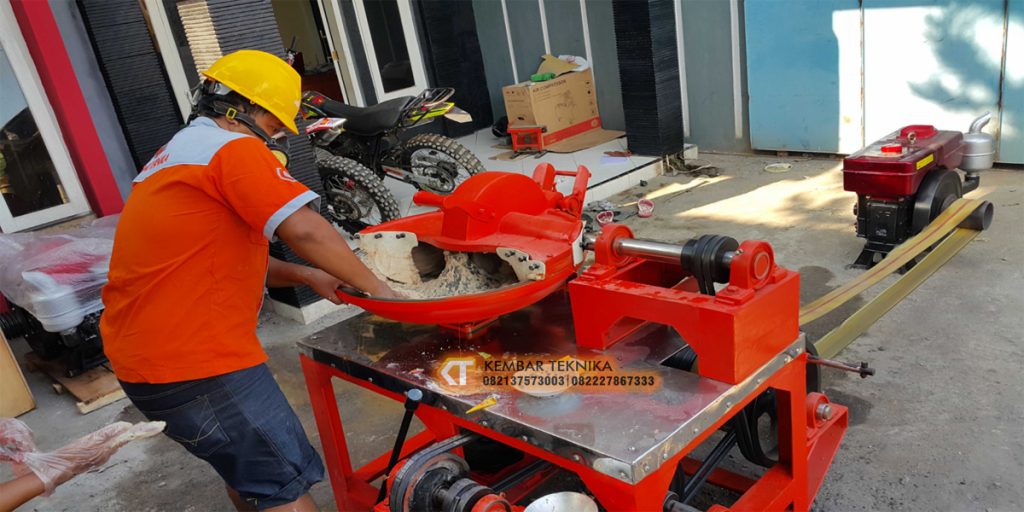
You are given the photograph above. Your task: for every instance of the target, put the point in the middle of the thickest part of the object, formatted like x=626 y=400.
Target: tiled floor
x=482 y=144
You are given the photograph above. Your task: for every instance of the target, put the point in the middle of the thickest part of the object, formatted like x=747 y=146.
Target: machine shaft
x=649 y=249
x=707 y=257
x=639 y=248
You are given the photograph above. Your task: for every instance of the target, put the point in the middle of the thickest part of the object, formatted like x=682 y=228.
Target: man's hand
x=316 y=241
x=385 y=292
x=324 y=284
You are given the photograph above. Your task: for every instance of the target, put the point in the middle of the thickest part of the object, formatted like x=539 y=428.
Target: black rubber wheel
x=17 y=323
x=439 y=157
x=937 y=191
x=354 y=197
x=46 y=345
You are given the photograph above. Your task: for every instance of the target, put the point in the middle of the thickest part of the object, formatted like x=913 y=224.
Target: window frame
x=412 y=45
x=27 y=76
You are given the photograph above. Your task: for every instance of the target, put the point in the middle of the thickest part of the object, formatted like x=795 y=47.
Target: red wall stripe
x=46 y=47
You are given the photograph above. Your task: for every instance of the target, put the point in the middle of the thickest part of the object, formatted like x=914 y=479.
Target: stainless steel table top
x=627 y=435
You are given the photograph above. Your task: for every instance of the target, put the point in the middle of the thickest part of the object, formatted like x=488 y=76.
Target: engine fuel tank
x=893 y=166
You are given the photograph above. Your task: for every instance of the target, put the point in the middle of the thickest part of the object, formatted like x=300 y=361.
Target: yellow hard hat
x=263 y=79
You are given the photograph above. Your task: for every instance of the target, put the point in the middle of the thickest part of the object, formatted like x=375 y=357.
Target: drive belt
x=945 y=225
x=417 y=463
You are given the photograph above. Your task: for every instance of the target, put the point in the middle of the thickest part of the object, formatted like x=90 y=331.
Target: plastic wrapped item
x=58 y=277
x=54 y=468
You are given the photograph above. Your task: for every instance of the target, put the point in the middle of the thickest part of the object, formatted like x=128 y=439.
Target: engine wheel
x=355 y=198
x=443 y=159
x=938 y=190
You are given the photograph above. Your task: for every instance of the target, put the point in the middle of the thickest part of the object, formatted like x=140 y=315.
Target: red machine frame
x=739 y=333
x=804 y=453
x=734 y=332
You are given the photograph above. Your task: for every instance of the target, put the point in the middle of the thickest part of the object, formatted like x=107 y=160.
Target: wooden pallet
x=93 y=389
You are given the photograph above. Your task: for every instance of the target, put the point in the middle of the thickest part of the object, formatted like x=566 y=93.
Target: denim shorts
x=243 y=426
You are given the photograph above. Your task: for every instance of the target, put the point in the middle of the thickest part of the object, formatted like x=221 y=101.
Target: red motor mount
x=733 y=331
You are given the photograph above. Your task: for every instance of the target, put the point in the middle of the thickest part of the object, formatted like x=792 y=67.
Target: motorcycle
x=356 y=147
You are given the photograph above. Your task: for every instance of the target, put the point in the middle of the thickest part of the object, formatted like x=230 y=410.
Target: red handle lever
x=424 y=198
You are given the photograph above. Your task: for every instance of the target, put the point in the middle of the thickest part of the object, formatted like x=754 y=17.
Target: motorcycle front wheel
x=354 y=197
x=443 y=159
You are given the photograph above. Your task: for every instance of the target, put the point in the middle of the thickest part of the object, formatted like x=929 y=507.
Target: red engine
x=905 y=180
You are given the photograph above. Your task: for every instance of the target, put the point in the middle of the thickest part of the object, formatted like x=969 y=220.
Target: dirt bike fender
x=323 y=124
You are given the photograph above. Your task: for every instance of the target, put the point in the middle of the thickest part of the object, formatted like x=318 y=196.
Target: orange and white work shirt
x=190 y=257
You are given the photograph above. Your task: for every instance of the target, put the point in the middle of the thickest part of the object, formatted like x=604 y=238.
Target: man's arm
x=316 y=241
x=281 y=274
x=15 y=493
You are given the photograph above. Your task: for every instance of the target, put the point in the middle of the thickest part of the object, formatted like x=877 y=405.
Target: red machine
x=507 y=217
x=714 y=319
x=527 y=138
x=906 y=179
x=53 y=283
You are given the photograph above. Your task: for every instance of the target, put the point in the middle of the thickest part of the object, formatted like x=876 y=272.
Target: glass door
x=304 y=33
x=341 y=53
x=37 y=180
x=310 y=25
x=392 y=49
x=168 y=34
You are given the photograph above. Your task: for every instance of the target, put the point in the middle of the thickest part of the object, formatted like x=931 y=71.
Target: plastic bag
x=58 y=278
x=54 y=468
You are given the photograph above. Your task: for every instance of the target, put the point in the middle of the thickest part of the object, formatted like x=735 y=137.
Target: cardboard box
x=556 y=104
x=15 y=396
x=566 y=106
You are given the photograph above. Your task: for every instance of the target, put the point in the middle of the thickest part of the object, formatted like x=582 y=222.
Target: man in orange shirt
x=187 y=276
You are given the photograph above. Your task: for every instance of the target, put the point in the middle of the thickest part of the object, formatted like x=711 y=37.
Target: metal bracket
x=526 y=269
x=391 y=254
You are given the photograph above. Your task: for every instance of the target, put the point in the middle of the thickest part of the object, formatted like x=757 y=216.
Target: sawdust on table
x=461 y=276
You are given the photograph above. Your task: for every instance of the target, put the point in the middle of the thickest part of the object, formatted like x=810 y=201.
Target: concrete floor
x=938 y=427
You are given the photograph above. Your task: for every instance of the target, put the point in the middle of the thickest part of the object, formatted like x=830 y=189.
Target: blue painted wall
x=949 y=73
x=707 y=38
x=793 y=73
x=1011 y=147
x=819 y=70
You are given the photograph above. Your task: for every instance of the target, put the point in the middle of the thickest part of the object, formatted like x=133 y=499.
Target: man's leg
x=244 y=427
x=237 y=501
x=303 y=504
x=274 y=464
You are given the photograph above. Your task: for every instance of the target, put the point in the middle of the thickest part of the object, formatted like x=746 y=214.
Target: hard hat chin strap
x=231 y=113
x=209 y=102
x=279 y=147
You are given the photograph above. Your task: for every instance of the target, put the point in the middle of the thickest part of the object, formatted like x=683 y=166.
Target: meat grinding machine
x=702 y=339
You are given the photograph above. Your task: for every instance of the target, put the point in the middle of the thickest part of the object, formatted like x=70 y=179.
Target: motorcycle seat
x=368 y=121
